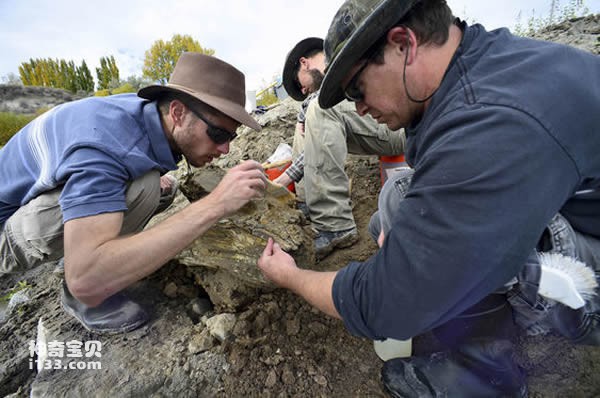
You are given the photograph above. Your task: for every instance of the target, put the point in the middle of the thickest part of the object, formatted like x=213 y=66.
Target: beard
x=317 y=78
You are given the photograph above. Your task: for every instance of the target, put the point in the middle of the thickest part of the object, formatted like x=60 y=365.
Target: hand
x=167 y=182
x=276 y=265
x=283 y=180
x=380 y=238
x=242 y=183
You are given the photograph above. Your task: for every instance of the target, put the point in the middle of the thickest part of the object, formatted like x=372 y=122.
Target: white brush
x=566 y=280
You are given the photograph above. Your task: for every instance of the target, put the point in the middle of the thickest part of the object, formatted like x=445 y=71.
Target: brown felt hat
x=209 y=80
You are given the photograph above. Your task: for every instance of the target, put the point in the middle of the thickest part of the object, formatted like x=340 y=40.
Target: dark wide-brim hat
x=290 y=82
x=356 y=26
x=207 y=79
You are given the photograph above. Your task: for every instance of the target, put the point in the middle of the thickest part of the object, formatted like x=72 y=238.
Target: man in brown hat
x=82 y=180
x=323 y=139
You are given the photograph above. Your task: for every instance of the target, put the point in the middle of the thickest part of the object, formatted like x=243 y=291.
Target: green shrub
x=22 y=285
x=125 y=88
x=267 y=98
x=10 y=123
x=102 y=93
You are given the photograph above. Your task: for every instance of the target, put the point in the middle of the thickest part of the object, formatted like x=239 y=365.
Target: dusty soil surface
x=279 y=346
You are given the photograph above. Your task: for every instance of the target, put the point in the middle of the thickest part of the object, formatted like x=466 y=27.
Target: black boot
x=478 y=363
x=116 y=314
x=579 y=326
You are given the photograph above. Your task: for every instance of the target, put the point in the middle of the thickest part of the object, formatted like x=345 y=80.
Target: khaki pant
x=330 y=134
x=33 y=235
x=297 y=149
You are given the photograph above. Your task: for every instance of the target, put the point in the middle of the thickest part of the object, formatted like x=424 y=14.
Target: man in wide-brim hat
x=502 y=134
x=80 y=182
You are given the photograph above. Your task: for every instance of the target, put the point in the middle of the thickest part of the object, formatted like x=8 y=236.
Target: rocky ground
x=247 y=342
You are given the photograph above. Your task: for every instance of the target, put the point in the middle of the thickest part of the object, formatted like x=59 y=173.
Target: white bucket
x=250 y=100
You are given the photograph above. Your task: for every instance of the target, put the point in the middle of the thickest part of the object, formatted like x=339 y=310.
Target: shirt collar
x=158 y=140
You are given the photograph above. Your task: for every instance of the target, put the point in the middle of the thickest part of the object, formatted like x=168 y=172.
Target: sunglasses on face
x=218 y=135
x=352 y=92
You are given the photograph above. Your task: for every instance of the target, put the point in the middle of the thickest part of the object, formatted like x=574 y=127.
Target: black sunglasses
x=352 y=92
x=218 y=135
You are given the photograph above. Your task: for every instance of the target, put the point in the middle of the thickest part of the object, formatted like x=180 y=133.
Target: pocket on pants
x=42 y=231
x=8 y=262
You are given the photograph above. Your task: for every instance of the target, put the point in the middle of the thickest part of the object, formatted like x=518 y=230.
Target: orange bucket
x=275 y=172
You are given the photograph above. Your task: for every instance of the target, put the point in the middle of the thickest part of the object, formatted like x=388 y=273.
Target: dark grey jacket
x=511 y=137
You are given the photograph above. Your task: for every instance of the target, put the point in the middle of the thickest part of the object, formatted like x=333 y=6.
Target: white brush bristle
x=583 y=277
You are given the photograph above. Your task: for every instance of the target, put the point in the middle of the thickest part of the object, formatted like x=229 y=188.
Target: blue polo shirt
x=510 y=138
x=92 y=147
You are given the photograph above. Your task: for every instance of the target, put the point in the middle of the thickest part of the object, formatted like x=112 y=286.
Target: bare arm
x=284 y=179
x=99 y=262
x=315 y=287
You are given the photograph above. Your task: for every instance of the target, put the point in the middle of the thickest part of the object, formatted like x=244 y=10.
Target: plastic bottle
x=388 y=165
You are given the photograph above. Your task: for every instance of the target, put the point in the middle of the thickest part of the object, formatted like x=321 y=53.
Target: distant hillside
x=28 y=99
x=583 y=33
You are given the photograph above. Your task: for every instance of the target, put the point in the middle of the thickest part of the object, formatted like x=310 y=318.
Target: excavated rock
x=235 y=243
x=224 y=258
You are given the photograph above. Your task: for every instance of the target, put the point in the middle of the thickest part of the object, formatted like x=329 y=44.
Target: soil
x=279 y=347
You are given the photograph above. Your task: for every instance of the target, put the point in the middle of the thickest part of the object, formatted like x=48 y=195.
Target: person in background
x=323 y=139
x=81 y=181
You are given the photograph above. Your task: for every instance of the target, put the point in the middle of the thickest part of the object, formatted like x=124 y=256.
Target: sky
x=252 y=35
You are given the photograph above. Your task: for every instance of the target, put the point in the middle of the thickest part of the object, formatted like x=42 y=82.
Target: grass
x=22 y=285
x=558 y=13
x=10 y=123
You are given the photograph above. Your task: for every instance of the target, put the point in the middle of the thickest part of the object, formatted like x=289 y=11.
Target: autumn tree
x=57 y=73
x=107 y=73
x=85 y=81
x=160 y=59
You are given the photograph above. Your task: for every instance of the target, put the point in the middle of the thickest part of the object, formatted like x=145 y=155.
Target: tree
x=107 y=73
x=160 y=59
x=57 y=73
x=137 y=82
x=85 y=81
x=12 y=79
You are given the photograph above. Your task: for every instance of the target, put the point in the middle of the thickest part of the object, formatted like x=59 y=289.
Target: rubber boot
x=579 y=326
x=478 y=361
